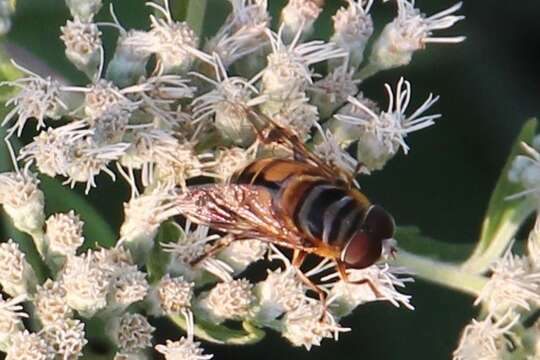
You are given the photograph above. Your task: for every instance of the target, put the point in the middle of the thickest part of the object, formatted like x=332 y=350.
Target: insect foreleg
x=298 y=259
x=340 y=266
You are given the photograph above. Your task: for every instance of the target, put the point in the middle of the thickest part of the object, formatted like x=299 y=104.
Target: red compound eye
x=365 y=246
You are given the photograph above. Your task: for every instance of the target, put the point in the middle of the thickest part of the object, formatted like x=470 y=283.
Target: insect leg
x=215 y=248
x=298 y=259
x=345 y=277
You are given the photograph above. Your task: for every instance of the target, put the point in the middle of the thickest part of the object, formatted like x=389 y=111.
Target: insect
x=303 y=204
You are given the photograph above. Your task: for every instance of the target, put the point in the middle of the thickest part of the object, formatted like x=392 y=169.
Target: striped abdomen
x=322 y=209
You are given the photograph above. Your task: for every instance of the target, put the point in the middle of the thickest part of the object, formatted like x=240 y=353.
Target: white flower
x=142 y=216
x=16 y=275
x=103 y=96
x=485 y=339
x=23 y=201
x=513 y=285
x=231 y=160
x=299 y=16
x=129 y=286
x=174 y=295
x=87 y=159
x=243 y=32
x=51 y=149
x=146 y=147
x=381 y=135
x=86 y=284
x=296 y=114
x=10 y=319
x=239 y=254
x=64 y=233
x=227 y=103
x=132 y=332
x=28 y=346
x=176 y=165
x=353 y=27
x=185 y=349
x=191 y=247
x=309 y=323
x=345 y=297
x=228 y=300
x=288 y=70
x=83 y=45
x=38 y=99
x=51 y=303
x=174 y=43
x=333 y=90
x=65 y=337
x=411 y=31
x=280 y=292
x=331 y=152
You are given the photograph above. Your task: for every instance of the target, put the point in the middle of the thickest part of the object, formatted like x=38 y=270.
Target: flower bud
x=128 y=64
x=84 y=9
x=16 y=275
x=298 y=16
x=353 y=27
x=23 y=201
x=83 y=46
x=228 y=300
x=131 y=332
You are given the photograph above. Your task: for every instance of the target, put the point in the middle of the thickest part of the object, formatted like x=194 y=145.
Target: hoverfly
x=303 y=204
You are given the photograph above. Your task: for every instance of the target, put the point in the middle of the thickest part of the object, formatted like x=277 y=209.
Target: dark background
x=489 y=85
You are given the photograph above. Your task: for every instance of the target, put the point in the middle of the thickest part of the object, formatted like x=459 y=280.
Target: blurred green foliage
x=488 y=86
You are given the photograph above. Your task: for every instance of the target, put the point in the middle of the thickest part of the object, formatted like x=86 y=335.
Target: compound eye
x=379 y=224
x=355 y=253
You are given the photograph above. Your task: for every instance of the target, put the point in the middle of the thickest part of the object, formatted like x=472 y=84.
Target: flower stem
x=447 y=274
x=367 y=71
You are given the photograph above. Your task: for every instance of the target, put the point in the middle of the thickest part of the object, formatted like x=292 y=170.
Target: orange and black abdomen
x=322 y=209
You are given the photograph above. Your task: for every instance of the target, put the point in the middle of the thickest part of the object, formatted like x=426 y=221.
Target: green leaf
x=503 y=216
x=411 y=239
x=196 y=14
x=157 y=262
x=250 y=334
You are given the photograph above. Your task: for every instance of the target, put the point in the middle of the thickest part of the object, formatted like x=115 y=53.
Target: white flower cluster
x=185 y=118
x=511 y=294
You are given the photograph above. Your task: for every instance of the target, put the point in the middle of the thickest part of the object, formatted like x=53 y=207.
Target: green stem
x=367 y=71
x=446 y=274
x=196 y=13
x=481 y=259
x=222 y=335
